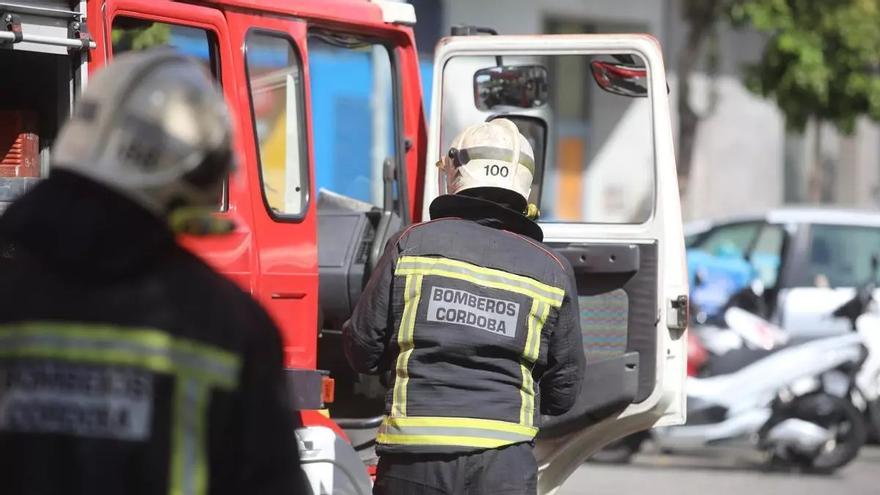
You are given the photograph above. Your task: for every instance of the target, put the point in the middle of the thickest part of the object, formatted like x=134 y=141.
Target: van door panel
x=631 y=270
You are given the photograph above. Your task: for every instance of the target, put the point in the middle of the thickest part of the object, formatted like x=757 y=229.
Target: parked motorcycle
x=797 y=403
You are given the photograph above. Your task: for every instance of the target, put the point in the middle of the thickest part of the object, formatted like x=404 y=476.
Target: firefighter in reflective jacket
x=127 y=365
x=476 y=323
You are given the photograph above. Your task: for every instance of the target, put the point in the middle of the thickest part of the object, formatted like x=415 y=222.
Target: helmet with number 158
x=153 y=126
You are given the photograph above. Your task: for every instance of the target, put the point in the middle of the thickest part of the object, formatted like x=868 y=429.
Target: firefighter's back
x=479 y=307
x=123 y=356
x=127 y=365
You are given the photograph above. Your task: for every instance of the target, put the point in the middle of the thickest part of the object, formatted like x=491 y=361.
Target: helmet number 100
x=496 y=170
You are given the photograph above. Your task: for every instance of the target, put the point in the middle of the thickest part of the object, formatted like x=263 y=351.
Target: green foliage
x=140 y=38
x=822 y=59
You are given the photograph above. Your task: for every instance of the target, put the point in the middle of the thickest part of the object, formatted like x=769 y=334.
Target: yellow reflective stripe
x=142 y=336
x=177 y=440
x=471 y=279
x=488 y=443
x=189 y=469
x=469 y=432
x=526 y=393
x=483 y=270
x=450 y=422
x=477 y=274
x=531 y=350
x=201 y=467
x=412 y=294
x=156 y=364
x=159 y=353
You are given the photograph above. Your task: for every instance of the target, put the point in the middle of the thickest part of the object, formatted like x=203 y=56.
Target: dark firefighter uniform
x=127 y=366
x=471 y=316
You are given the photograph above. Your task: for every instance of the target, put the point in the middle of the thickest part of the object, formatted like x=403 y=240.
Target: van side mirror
x=520 y=86
x=620 y=79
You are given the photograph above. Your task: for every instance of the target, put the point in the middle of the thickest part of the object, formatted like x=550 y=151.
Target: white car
x=808 y=259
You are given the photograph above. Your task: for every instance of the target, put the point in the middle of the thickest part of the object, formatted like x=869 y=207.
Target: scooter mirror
x=758 y=287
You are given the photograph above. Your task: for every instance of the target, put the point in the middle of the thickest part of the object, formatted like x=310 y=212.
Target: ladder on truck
x=44 y=48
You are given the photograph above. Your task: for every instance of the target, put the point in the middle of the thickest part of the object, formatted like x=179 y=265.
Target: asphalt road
x=703 y=474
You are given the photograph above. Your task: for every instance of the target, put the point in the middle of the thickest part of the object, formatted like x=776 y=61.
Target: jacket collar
x=486 y=213
x=78 y=226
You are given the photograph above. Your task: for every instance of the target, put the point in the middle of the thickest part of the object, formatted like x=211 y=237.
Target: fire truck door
x=199 y=32
x=273 y=116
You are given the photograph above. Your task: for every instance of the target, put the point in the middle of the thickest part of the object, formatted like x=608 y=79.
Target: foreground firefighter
x=471 y=316
x=126 y=364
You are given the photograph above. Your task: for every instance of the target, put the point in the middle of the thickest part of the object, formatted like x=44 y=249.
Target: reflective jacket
x=127 y=365
x=476 y=326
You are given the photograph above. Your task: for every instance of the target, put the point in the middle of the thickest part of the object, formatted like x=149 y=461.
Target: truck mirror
x=620 y=79
x=520 y=86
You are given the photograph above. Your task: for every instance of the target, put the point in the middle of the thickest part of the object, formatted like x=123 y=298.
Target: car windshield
x=839 y=256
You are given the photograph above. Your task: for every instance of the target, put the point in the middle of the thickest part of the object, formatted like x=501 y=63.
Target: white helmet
x=154 y=127
x=491 y=155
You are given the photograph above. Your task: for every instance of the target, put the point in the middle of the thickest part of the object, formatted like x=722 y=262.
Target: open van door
x=596 y=112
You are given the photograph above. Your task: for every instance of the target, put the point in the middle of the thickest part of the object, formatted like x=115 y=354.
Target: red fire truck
x=335 y=155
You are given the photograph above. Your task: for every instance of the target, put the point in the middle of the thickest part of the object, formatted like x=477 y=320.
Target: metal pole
x=6 y=36
x=44 y=11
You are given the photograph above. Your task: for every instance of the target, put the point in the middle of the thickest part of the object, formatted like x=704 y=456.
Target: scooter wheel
x=835 y=414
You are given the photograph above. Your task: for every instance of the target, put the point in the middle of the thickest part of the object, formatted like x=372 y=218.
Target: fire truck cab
x=335 y=155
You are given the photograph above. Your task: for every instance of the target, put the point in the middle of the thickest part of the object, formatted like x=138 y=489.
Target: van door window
x=354 y=116
x=594 y=147
x=275 y=83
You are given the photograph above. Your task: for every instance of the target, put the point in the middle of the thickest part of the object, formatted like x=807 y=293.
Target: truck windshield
x=595 y=138
x=354 y=117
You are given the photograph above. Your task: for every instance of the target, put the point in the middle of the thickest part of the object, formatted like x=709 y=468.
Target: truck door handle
x=288 y=295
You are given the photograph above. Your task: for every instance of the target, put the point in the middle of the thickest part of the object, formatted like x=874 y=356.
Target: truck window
x=129 y=33
x=353 y=114
x=275 y=82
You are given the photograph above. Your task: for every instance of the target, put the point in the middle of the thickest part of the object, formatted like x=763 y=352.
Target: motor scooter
x=744 y=338
x=794 y=403
x=829 y=377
